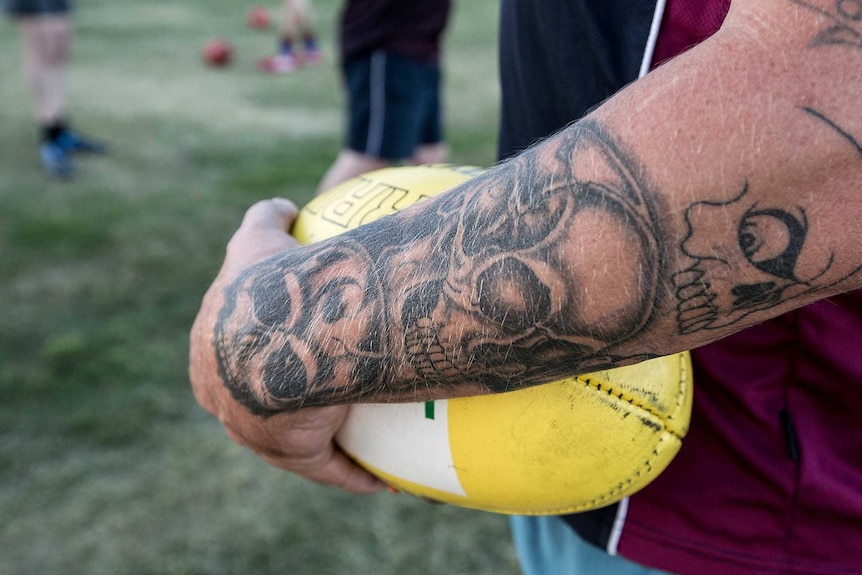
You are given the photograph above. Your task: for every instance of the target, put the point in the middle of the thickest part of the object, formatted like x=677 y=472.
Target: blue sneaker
x=71 y=141
x=56 y=160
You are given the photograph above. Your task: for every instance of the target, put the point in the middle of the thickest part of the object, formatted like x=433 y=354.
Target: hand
x=301 y=442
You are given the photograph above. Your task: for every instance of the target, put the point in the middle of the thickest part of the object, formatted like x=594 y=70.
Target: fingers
x=338 y=471
x=302 y=443
x=263 y=232
x=349 y=476
x=277 y=213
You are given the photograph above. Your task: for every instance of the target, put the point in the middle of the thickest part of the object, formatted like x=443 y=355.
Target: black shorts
x=394 y=105
x=36 y=7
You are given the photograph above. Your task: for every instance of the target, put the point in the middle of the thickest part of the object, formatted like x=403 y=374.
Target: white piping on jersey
x=377 y=113
x=617 y=529
x=649 y=50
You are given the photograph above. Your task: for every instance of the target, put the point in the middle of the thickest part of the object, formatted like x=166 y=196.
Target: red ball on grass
x=218 y=52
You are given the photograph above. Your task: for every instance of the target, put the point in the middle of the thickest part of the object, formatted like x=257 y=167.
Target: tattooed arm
x=719 y=191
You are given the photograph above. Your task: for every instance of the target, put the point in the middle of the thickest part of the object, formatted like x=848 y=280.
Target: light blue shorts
x=548 y=546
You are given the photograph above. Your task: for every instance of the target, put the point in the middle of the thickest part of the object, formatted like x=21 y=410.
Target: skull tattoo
x=766 y=263
x=282 y=355
x=498 y=300
x=541 y=268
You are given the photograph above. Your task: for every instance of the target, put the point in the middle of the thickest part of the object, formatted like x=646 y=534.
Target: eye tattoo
x=772 y=240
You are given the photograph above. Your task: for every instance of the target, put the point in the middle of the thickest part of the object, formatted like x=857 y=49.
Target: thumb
x=263 y=232
x=274 y=214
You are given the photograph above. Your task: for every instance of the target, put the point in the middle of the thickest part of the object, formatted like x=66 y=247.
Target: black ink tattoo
x=475 y=289
x=767 y=252
x=846 y=28
x=270 y=350
x=504 y=308
x=844 y=134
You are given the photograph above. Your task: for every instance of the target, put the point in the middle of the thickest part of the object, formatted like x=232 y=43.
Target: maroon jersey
x=769 y=478
x=686 y=23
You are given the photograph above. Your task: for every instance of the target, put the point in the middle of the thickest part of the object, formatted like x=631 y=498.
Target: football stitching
x=680 y=396
x=595 y=502
x=647 y=465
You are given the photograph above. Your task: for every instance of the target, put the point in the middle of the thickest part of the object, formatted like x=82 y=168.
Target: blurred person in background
x=297 y=45
x=46 y=31
x=390 y=62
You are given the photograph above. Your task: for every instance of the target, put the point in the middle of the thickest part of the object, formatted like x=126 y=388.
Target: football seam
x=631 y=400
x=597 y=501
x=647 y=465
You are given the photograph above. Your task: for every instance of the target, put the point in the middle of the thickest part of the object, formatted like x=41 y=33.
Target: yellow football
x=568 y=446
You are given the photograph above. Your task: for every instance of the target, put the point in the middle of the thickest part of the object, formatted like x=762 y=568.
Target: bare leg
x=429 y=154
x=347 y=165
x=298 y=23
x=47 y=46
x=296 y=18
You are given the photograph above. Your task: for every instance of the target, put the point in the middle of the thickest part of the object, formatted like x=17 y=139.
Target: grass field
x=107 y=466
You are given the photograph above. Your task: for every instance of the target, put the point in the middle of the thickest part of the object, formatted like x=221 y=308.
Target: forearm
x=756 y=162
x=716 y=193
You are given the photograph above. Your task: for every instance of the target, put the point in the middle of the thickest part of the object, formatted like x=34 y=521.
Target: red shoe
x=278 y=64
